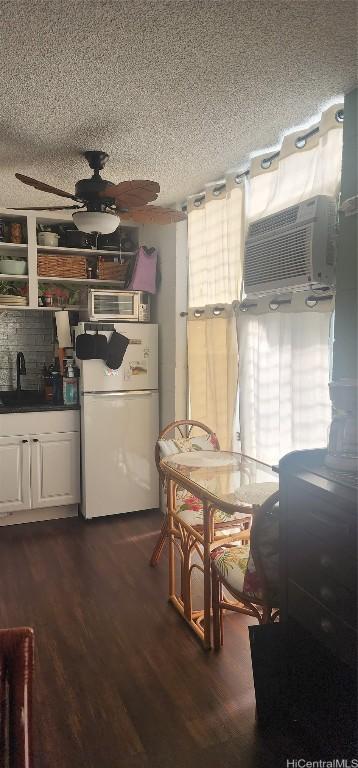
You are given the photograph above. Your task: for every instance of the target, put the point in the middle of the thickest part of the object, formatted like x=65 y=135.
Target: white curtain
x=284 y=356
x=216 y=223
x=283 y=382
x=283 y=371
x=294 y=174
x=213 y=371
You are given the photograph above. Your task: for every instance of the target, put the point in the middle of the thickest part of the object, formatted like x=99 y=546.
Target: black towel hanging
x=91 y=346
x=116 y=349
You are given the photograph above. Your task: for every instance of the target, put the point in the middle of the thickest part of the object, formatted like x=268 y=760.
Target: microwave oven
x=128 y=306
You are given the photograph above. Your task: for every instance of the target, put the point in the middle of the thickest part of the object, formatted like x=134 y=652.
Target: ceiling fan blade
x=153 y=214
x=129 y=194
x=47 y=208
x=43 y=187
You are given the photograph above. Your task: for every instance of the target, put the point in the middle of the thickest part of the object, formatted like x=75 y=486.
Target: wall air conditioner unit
x=292 y=249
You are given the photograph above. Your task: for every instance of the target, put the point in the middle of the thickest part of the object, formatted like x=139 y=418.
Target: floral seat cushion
x=235 y=563
x=184 y=444
x=236 y=566
x=190 y=509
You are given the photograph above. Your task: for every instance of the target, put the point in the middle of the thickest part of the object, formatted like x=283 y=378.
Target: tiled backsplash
x=30 y=332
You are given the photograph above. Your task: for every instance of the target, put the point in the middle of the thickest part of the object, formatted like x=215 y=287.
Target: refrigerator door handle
x=123 y=393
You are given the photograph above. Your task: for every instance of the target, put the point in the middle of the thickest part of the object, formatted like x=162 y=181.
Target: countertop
x=37 y=407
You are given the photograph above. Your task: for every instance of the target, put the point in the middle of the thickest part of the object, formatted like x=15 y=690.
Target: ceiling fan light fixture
x=96 y=222
x=101 y=200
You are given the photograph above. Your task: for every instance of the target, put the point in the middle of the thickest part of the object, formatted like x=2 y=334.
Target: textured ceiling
x=174 y=91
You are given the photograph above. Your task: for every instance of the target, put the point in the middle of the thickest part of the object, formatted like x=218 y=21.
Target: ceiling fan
x=104 y=204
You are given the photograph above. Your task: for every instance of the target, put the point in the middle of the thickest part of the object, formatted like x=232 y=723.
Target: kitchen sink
x=23 y=397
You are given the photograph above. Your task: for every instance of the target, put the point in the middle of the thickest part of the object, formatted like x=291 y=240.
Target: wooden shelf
x=67 y=308
x=13 y=246
x=12 y=278
x=80 y=281
x=84 y=251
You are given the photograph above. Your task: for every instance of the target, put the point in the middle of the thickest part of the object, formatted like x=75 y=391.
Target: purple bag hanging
x=144 y=272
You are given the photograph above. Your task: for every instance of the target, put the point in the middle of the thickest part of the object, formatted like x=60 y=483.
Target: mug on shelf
x=48 y=238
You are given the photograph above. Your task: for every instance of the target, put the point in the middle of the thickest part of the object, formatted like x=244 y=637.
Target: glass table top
x=229 y=478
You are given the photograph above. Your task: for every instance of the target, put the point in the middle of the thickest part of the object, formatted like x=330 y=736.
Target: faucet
x=20 y=370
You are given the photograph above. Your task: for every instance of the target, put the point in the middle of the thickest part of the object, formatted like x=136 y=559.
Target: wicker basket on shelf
x=112 y=270
x=53 y=265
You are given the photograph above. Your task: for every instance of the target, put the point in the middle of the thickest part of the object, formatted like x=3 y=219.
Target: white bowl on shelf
x=13 y=267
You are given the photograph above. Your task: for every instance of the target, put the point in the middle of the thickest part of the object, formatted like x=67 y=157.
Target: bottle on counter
x=70 y=385
x=57 y=383
x=57 y=388
x=43 y=379
x=47 y=383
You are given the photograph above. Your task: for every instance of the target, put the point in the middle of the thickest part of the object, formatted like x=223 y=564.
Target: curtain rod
x=266 y=162
x=219 y=187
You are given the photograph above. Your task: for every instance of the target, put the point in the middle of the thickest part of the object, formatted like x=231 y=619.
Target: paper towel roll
x=63 y=329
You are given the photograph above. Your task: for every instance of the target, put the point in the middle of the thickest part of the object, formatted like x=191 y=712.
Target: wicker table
x=225 y=481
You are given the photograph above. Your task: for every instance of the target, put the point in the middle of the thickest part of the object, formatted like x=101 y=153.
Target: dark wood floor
x=120 y=681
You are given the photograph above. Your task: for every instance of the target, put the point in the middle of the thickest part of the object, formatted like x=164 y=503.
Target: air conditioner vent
x=273 y=222
x=291 y=249
x=278 y=258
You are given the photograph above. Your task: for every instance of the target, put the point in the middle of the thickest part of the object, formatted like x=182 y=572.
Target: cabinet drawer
x=331 y=530
x=323 y=570
x=319 y=511
x=332 y=632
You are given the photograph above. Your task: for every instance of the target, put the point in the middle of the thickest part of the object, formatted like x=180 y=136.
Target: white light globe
x=95 y=222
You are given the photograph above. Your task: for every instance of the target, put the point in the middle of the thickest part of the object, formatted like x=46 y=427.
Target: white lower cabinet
x=55 y=469
x=15 y=492
x=39 y=466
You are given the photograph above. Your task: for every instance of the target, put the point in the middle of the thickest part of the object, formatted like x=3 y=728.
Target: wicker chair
x=185 y=428
x=248 y=571
x=16 y=670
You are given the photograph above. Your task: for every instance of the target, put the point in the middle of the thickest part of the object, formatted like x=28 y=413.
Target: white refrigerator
x=119 y=424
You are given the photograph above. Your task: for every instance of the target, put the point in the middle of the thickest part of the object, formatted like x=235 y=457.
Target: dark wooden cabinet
x=318 y=562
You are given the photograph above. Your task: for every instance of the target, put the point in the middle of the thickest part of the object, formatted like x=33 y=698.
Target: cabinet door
x=55 y=469
x=14 y=474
